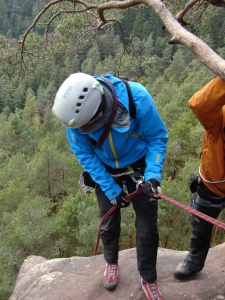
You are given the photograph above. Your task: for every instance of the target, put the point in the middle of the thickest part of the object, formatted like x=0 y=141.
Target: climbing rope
x=193 y=211
x=168 y=199
x=109 y=212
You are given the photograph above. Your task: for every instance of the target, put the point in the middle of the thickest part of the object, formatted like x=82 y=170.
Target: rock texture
x=80 y=278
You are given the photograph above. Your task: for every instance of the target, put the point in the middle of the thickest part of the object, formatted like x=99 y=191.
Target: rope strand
x=193 y=211
x=168 y=199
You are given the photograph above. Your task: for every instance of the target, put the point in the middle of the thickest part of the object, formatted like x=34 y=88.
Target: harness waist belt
x=205 y=203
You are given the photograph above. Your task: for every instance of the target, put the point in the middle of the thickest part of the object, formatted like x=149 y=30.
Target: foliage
x=43 y=211
x=27 y=230
x=88 y=217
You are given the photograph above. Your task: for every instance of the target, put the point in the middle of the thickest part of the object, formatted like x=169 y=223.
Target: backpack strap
x=115 y=103
x=132 y=107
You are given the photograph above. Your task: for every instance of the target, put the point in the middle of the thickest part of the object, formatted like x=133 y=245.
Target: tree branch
x=173 y=24
x=201 y=50
x=182 y=13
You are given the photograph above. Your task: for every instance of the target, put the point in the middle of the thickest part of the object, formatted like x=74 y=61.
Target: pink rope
x=109 y=212
x=168 y=199
x=193 y=211
x=99 y=227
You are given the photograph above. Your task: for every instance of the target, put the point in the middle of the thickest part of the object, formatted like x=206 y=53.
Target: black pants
x=147 y=237
x=201 y=233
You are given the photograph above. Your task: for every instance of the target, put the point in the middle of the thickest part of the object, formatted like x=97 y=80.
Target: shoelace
x=111 y=268
x=152 y=289
x=185 y=267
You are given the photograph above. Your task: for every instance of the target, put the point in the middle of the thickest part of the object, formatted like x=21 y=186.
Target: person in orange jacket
x=208 y=105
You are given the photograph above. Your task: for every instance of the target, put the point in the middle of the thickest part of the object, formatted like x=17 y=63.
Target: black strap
x=131 y=100
x=115 y=102
x=132 y=108
x=205 y=203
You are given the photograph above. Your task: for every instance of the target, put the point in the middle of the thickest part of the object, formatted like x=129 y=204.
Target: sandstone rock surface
x=80 y=278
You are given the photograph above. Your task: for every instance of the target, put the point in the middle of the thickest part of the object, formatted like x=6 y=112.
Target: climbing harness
x=136 y=177
x=86 y=183
x=205 y=203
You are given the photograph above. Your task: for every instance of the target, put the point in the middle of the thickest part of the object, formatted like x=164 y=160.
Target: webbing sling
x=132 y=109
x=131 y=100
x=206 y=203
x=115 y=103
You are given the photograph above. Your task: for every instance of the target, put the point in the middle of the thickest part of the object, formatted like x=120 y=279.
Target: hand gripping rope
x=168 y=199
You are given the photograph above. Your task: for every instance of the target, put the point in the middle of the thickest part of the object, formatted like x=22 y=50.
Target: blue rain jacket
x=146 y=136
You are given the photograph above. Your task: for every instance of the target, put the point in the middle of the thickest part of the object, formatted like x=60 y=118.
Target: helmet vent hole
x=77 y=111
x=85 y=89
x=78 y=104
x=81 y=97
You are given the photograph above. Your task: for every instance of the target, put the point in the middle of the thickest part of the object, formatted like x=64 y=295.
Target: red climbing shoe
x=110 y=278
x=151 y=290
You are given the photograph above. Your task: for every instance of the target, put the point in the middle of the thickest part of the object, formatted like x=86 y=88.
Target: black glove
x=151 y=188
x=120 y=201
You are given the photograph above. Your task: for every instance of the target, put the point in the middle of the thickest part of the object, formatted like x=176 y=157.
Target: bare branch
x=219 y=3
x=88 y=7
x=186 y=8
x=201 y=50
x=117 y=5
x=173 y=24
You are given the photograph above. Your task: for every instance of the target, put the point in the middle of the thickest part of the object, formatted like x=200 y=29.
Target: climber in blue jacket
x=84 y=105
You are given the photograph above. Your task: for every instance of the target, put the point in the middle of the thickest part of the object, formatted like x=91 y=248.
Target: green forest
x=43 y=211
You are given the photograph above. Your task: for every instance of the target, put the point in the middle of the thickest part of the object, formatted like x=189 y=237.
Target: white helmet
x=77 y=100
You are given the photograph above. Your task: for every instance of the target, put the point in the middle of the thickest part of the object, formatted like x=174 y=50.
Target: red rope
x=168 y=199
x=99 y=227
x=193 y=211
x=127 y=197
